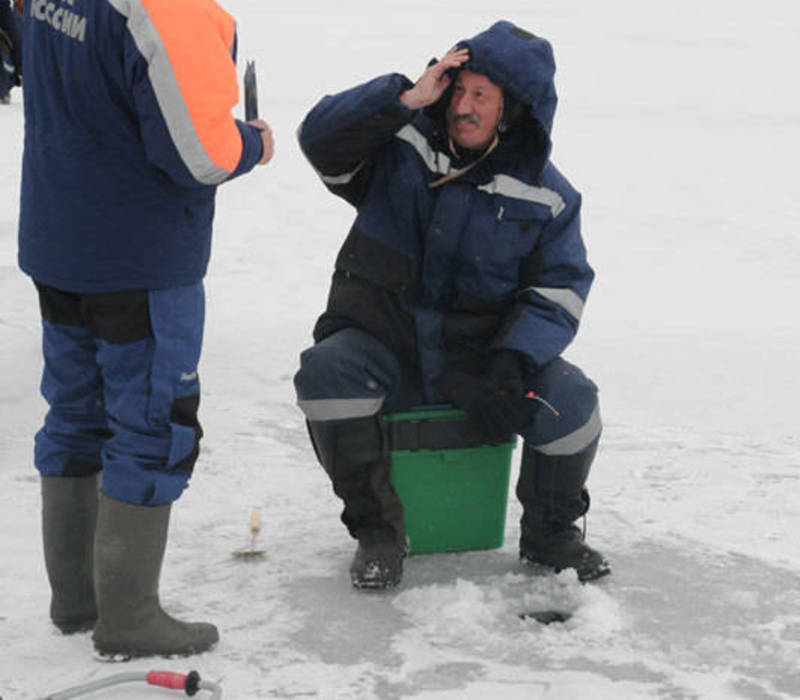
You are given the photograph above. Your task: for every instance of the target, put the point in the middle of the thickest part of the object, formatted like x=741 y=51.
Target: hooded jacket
x=491 y=259
x=128 y=131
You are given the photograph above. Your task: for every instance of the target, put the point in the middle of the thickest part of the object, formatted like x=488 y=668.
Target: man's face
x=474 y=110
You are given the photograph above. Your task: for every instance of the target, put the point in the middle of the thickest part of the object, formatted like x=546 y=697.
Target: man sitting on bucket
x=462 y=280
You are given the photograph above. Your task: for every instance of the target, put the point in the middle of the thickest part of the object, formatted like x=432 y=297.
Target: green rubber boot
x=129 y=549
x=69 y=513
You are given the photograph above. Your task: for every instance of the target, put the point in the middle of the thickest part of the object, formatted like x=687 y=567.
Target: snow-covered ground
x=680 y=123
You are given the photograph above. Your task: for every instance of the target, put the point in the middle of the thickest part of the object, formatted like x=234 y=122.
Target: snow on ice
x=680 y=123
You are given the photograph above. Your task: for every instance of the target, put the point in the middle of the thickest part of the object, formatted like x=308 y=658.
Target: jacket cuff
x=252 y=149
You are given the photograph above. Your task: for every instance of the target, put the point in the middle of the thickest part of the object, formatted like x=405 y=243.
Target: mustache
x=471 y=118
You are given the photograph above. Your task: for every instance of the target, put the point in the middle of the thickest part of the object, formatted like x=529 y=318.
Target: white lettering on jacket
x=60 y=18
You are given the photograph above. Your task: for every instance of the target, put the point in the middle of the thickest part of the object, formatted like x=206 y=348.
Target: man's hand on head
x=434 y=81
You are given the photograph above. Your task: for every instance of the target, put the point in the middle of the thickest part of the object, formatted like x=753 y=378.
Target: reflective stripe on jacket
x=128 y=130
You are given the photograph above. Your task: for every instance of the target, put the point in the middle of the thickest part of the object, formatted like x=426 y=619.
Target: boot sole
x=75 y=627
x=123 y=656
x=597 y=573
x=374 y=585
x=600 y=571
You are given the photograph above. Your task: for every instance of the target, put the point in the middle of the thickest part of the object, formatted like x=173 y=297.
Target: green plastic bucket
x=453 y=488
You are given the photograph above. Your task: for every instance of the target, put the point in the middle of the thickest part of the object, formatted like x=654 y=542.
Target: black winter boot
x=129 y=549
x=378 y=561
x=353 y=454
x=69 y=514
x=551 y=490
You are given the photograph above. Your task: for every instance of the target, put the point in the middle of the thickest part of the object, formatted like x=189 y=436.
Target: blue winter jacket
x=128 y=131
x=492 y=259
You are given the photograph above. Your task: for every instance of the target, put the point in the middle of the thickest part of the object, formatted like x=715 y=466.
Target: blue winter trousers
x=120 y=378
x=350 y=374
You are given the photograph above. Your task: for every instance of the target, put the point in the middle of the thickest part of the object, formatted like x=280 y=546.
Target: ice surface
x=680 y=124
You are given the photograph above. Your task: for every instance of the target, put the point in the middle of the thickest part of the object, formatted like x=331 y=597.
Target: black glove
x=494 y=402
x=506 y=370
x=499 y=416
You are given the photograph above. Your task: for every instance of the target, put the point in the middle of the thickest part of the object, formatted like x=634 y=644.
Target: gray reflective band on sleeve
x=516 y=189
x=436 y=161
x=339 y=409
x=565 y=298
x=342 y=179
x=168 y=94
x=577 y=440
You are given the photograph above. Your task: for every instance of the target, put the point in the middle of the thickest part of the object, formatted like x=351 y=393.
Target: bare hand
x=434 y=81
x=267 y=141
